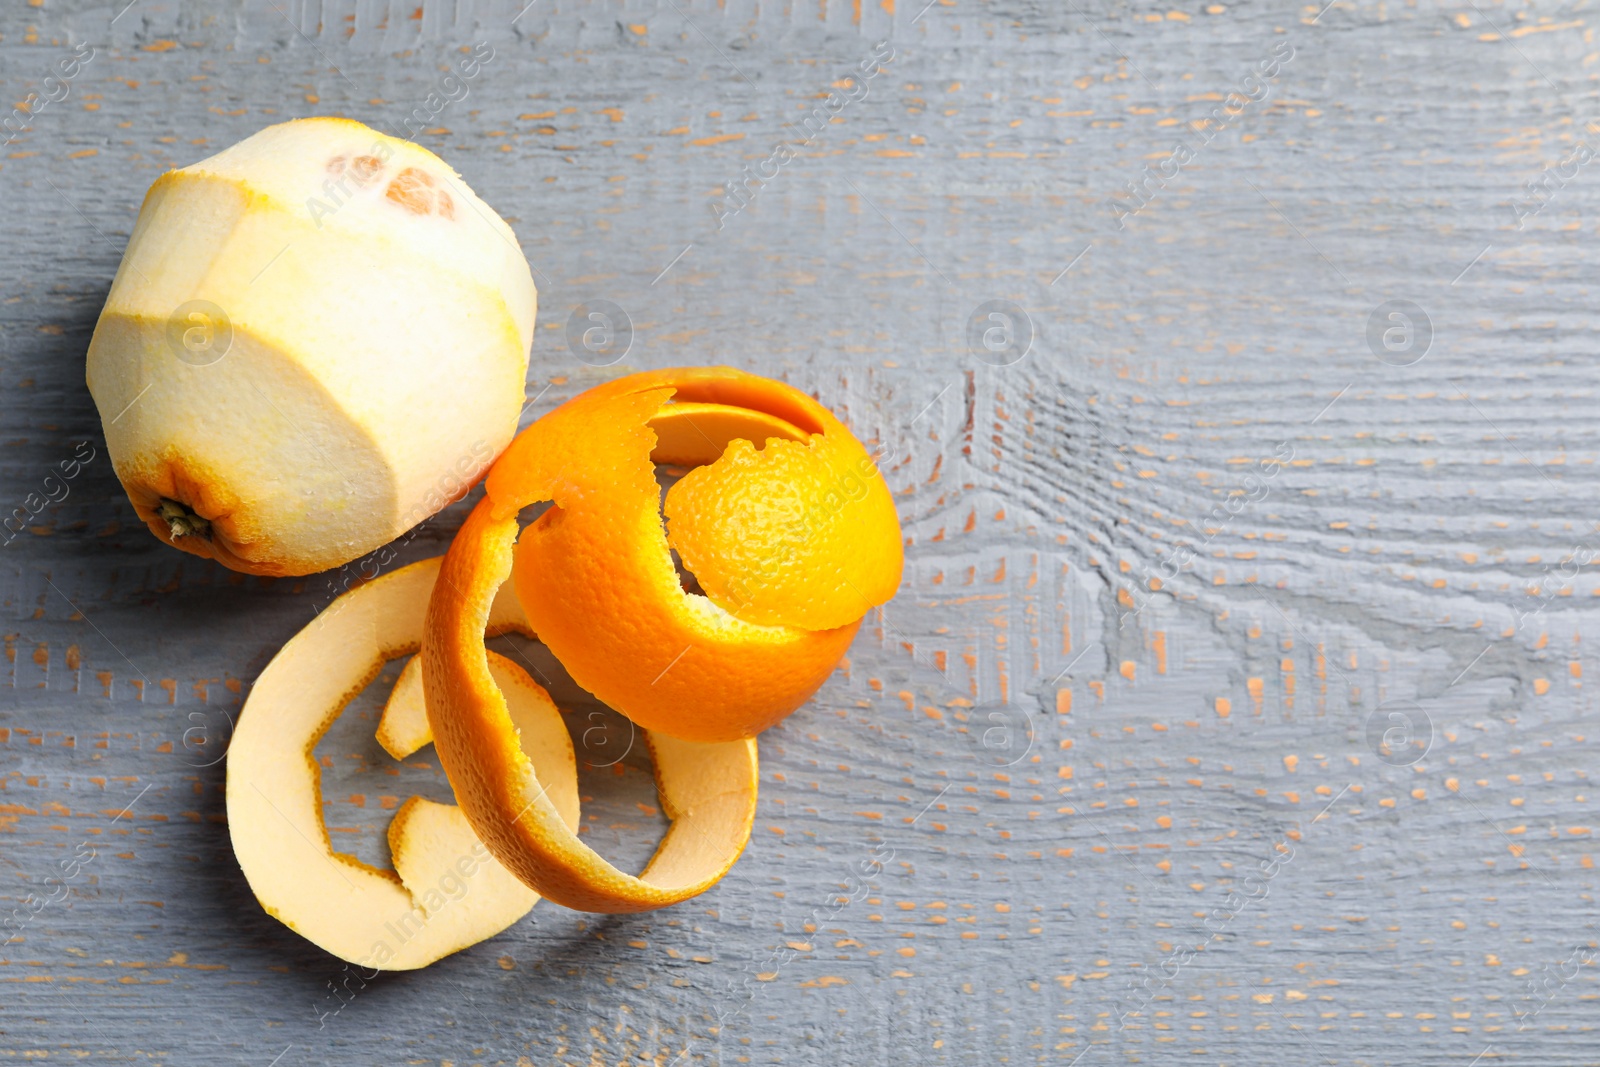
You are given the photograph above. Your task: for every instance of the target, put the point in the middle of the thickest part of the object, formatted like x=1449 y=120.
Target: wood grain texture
x=1063 y=771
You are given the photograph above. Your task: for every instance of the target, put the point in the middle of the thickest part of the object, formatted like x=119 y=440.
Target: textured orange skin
x=478 y=747
x=596 y=579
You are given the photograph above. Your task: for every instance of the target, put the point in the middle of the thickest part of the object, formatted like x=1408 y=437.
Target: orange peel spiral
x=789 y=530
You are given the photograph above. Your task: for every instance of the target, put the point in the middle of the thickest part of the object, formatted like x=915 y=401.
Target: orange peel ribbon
x=792 y=536
x=445 y=891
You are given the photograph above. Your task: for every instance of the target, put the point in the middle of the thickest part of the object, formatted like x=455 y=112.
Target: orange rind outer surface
x=708 y=790
x=793 y=545
x=808 y=543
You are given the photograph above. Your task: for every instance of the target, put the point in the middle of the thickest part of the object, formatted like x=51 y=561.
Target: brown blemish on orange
x=417 y=192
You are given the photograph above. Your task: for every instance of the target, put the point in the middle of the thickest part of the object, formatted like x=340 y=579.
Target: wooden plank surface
x=1177 y=567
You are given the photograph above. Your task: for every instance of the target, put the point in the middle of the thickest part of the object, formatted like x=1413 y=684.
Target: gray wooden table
x=1232 y=709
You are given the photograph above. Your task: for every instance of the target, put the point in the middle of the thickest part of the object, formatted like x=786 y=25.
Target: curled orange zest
x=786 y=525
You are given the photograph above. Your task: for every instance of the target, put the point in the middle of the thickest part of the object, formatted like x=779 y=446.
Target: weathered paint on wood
x=1065 y=773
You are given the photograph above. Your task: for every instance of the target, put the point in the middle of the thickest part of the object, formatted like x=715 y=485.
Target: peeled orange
x=789 y=530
